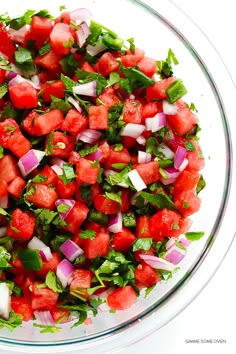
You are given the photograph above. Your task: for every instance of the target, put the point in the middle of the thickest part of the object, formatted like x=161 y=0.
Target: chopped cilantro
x=62 y=7
x=13 y=322
x=87 y=151
x=53 y=282
x=118 y=147
x=4 y=258
x=201 y=184
x=137 y=79
x=49 y=146
x=68 y=173
x=62 y=104
x=3 y=89
x=189 y=146
x=114 y=196
x=45 y=49
x=39 y=178
x=63 y=208
x=1 y=151
x=90 y=234
x=142 y=244
x=47 y=329
x=161 y=200
x=194 y=236
x=24 y=60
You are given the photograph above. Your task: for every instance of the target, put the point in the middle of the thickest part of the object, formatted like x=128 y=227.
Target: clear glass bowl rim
x=179 y=22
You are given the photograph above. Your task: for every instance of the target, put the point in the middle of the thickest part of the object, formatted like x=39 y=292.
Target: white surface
x=208 y=317
x=211 y=315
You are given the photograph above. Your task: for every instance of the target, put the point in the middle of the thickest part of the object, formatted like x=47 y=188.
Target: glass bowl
x=157 y=26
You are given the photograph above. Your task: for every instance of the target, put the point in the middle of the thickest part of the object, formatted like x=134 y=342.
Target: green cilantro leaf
x=13 y=322
x=63 y=105
x=62 y=7
x=24 y=60
x=149 y=290
x=161 y=200
x=45 y=49
x=114 y=196
x=87 y=151
x=113 y=79
x=4 y=258
x=142 y=244
x=53 y=282
x=189 y=146
x=194 y=236
x=1 y=151
x=136 y=77
x=3 y=90
x=39 y=179
x=118 y=147
x=90 y=234
x=68 y=82
x=68 y=173
x=201 y=184
x=47 y=329
x=63 y=208
x=132 y=45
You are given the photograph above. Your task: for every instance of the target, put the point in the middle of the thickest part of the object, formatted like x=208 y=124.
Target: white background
x=212 y=314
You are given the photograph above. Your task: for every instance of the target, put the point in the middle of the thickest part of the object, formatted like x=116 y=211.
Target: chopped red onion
x=64 y=272
x=95 y=156
x=183 y=241
x=155 y=123
x=18 y=35
x=169 y=108
x=171 y=174
x=170 y=242
x=10 y=75
x=58 y=170
x=17 y=79
x=183 y=165
x=81 y=14
x=71 y=250
x=75 y=103
x=157 y=263
x=141 y=140
x=46 y=254
x=28 y=162
x=180 y=155
x=94 y=50
x=115 y=223
x=89 y=136
x=87 y=89
x=82 y=34
x=5 y=303
x=136 y=180
x=68 y=203
x=4 y=201
x=36 y=244
x=44 y=317
x=133 y=130
x=36 y=82
x=169 y=154
x=45 y=251
x=175 y=254
x=144 y=157
x=3 y=231
x=57 y=161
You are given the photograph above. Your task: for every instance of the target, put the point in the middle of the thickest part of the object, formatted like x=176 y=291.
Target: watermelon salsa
x=99 y=169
